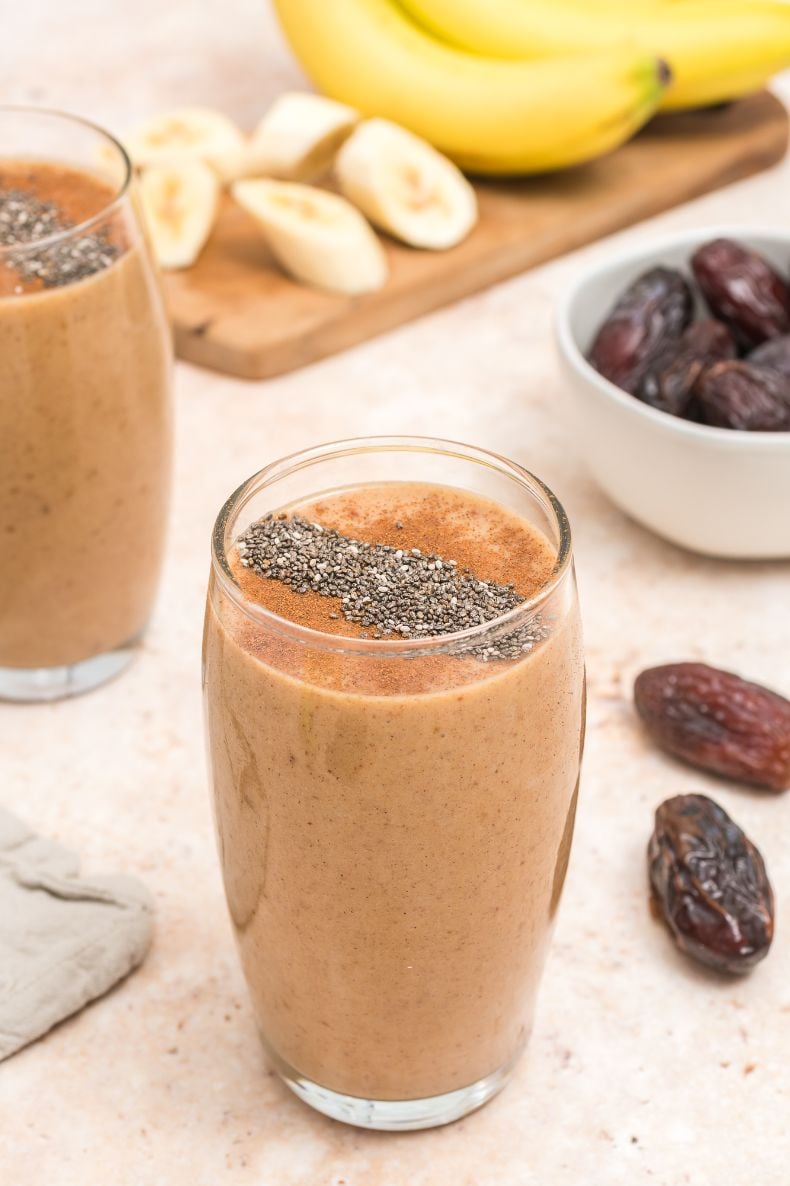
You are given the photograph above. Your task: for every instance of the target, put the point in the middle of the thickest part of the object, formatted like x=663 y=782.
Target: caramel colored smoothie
x=85 y=425
x=394 y=832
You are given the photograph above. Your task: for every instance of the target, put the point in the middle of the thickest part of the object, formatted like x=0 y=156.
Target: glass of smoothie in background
x=85 y=410
x=395 y=793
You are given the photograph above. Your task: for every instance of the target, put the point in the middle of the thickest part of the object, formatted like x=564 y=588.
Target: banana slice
x=298 y=137
x=179 y=202
x=190 y=133
x=405 y=186
x=316 y=236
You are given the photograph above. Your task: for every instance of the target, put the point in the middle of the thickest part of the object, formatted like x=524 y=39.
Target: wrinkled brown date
x=710 y=884
x=743 y=290
x=653 y=311
x=740 y=395
x=670 y=381
x=717 y=721
x=774 y=354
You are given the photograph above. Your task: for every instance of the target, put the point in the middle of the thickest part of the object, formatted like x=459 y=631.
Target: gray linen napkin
x=63 y=940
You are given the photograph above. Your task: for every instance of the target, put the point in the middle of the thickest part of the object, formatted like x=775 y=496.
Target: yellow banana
x=715 y=50
x=489 y=116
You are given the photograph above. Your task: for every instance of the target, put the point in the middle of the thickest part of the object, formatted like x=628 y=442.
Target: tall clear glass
x=85 y=408
x=394 y=818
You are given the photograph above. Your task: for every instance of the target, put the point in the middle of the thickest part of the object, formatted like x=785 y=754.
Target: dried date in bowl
x=717 y=721
x=710 y=884
x=740 y=395
x=774 y=354
x=651 y=313
x=671 y=380
x=742 y=290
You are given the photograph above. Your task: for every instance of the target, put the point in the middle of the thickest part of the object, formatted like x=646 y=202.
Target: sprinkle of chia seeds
x=24 y=219
x=398 y=594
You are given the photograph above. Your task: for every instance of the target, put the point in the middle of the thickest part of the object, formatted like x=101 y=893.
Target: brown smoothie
x=85 y=427
x=394 y=833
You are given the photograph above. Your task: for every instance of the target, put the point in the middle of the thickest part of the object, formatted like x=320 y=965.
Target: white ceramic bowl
x=715 y=490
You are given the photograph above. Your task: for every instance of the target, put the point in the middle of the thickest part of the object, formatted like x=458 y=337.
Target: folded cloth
x=63 y=940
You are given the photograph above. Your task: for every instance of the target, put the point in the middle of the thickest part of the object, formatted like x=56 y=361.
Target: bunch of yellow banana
x=716 y=49
x=527 y=86
x=488 y=115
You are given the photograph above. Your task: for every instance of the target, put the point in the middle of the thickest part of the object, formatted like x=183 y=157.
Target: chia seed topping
x=24 y=219
x=392 y=592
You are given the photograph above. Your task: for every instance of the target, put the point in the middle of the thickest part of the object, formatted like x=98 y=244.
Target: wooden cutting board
x=234 y=311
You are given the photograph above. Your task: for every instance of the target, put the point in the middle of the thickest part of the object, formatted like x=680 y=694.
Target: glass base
x=396 y=1115
x=27 y=685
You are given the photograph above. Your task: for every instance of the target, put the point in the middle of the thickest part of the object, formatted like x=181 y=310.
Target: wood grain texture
x=235 y=311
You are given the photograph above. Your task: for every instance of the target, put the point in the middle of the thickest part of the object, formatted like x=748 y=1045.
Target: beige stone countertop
x=642 y=1070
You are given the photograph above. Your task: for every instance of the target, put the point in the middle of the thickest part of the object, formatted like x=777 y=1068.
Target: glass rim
x=80 y=228
x=386 y=648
